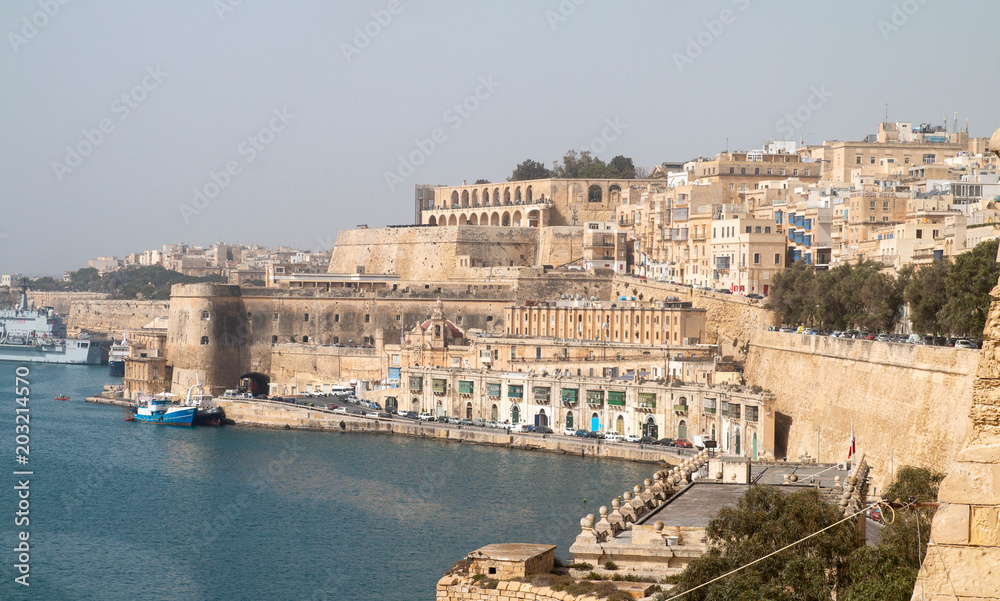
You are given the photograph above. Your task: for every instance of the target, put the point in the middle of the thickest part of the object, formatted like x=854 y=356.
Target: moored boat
x=62 y=397
x=159 y=410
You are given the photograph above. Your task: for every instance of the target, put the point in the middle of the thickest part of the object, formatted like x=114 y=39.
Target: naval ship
x=32 y=335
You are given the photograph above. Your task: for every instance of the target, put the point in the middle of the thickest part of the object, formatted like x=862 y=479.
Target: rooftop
x=510 y=551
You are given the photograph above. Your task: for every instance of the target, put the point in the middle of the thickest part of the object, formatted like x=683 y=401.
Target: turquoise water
x=121 y=510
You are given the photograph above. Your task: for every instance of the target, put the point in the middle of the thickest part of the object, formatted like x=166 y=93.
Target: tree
x=926 y=296
x=529 y=169
x=968 y=288
x=765 y=520
x=888 y=571
x=481 y=181
x=622 y=166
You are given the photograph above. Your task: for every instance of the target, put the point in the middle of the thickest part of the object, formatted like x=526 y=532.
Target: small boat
x=62 y=397
x=159 y=410
x=207 y=413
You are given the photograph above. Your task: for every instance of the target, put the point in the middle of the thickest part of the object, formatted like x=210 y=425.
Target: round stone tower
x=206 y=337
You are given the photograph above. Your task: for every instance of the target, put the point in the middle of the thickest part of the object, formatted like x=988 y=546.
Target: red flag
x=851 y=448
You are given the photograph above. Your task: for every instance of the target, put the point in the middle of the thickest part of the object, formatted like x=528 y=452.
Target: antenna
x=886 y=113
x=954 y=127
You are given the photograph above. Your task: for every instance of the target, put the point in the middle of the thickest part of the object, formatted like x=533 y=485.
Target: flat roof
x=511 y=551
x=697 y=504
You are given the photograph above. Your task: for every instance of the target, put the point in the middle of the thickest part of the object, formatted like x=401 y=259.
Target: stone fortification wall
x=910 y=403
x=207 y=336
x=452 y=588
x=60 y=301
x=433 y=253
x=560 y=245
x=112 y=316
x=729 y=317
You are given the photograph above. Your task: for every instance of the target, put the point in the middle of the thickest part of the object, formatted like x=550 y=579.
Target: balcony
x=681 y=408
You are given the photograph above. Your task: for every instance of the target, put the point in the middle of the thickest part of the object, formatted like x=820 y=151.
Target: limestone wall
x=112 y=316
x=910 y=403
x=60 y=301
x=729 y=317
x=455 y=588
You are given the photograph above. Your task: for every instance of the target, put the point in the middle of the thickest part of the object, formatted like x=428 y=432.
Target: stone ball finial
x=733 y=478
x=637 y=489
x=718 y=475
x=616 y=503
x=836 y=480
x=583 y=522
x=647 y=482
x=995 y=143
x=658 y=526
x=590 y=518
x=785 y=479
x=627 y=496
x=603 y=511
x=794 y=478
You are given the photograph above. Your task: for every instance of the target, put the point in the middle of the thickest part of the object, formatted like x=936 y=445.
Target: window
x=885 y=205
x=274 y=340
x=857 y=160
x=777 y=258
x=275 y=317
x=305 y=317
x=743 y=170
x=336 y=318
x=749 y=229
x=920 y=234
x=336 y=339
x=205 y=315
x=400 y=317
x=929 y=158
x=756 y=258
x=204 y=339
x=368 y=318
x=305 y=339
x=873 y=160
x=871 y=206
x=767 y=229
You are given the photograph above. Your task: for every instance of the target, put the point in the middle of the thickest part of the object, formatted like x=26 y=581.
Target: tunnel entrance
x=256 y=384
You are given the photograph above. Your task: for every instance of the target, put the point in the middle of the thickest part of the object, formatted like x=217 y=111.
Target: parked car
x=580 y=433
x=425 y=417
x=755 y=296
x=666 y=442
x=964 y=343
x=646 y=440
x=569 y=432
x=384 y=415
x=465 y=422
x=372 y=414
x=358 y=412
x=340 y=410
x=683 y=443
x=724 y=291
x=543 y=430
x=454 y=420
x=613 y=437
x=518 y=428
x=595 y=434
x=632 y=438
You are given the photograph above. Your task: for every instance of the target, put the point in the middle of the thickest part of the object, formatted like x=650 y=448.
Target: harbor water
x=122 y=510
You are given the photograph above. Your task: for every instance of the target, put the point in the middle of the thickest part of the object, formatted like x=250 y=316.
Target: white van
x=613 y=437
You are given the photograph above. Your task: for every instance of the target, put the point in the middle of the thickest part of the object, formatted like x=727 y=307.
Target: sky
x=128 y=125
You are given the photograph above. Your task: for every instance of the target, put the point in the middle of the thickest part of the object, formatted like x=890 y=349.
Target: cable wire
x=789 y=546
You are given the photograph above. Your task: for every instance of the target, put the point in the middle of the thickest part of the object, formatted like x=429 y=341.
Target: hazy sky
x=291 y=114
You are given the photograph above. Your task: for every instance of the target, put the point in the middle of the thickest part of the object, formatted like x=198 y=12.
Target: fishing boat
x=62 y=397
x=159 y=409
x=206 y=412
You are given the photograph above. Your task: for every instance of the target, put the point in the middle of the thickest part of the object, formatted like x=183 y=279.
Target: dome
x=995 y=142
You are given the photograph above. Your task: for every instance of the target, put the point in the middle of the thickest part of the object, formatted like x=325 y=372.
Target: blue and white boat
x=159 y=410
x=116 y=357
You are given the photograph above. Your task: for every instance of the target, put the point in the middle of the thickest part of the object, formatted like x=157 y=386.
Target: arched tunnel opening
x=256 y=384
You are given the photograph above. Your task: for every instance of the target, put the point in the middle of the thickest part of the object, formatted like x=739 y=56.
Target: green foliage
x=889 y=570
x=529 y=169
x=151 y=282
x=610 y=565
x=584 y=165
x=943 y=297
x=481 y=181
x=764 y=520
x=968 y=287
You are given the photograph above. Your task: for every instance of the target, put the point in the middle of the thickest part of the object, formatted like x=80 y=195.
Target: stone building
x=741 y=422
x=147 y=371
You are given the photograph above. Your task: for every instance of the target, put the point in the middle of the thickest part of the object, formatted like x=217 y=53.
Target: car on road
x=374 y=414
x=724 y=291
x=580 y=433
x=411 y=414
x=465 y=422
x=964 y=343
x=518 y=428
x=646 y=440
x=666 y=442
x=595 y=434
x=358 y=412
x=384 y=415
x=755 y=296
x=569 y=432
x=454 y=420
x=543 y=430
x=613 y=437
x=340 y=410
x=683 y=443
x=632 y=438
x=425 y=417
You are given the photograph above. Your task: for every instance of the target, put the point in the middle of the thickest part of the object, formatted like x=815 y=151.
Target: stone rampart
x=112 y=316
x=60 y=301
x=909 y=403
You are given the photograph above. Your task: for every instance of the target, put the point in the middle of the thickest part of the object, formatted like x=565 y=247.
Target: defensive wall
x=730 y=319
x=454 y=588
x=113 y=316
x=60 y=301
x=909 y=403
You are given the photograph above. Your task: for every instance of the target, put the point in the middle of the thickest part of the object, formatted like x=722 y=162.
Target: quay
x=102 y=400
x=276 y=414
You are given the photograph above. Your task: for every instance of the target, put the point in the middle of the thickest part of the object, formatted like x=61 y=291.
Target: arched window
x=682 y=430
x=569 y=420
x=515 y=414
x=595 y=194
x=494 y=413
x=620 y=425
x=204 y=339
x=468 y=410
